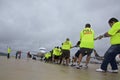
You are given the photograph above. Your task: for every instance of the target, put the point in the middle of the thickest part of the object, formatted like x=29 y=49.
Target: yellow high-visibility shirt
x=57 y=51
x=67 y=45
x=115 y=33
x=9 y=50
x=87 y=38
x=47 y=55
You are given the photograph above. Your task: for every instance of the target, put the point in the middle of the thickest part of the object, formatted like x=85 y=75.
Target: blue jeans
x=109 y=57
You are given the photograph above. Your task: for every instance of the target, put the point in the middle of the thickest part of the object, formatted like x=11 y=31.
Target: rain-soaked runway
x=13 y=69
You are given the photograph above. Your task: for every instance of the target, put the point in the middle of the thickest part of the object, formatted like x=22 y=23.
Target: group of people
x=18 y=54
x=61 y=54
x=86 y=45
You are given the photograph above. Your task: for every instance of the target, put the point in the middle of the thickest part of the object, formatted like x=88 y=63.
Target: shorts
x=86 y=51
x=56 y=57
x=77 y=53
x=65 y=54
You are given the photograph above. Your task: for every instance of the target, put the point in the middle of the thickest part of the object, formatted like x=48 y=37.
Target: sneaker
x=78 y=66
x=73 y=64
x=85 y=67
x=113 y=71
x=100 y=70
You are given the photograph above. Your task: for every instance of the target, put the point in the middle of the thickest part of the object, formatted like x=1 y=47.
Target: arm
x=103 y=36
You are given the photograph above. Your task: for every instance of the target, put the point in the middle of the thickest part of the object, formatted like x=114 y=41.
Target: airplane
x=39 y=54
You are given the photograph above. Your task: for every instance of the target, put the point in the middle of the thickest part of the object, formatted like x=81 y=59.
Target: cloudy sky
x=31 y=24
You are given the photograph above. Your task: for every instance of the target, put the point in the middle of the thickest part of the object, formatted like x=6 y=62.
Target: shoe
x=73 y=64
x=78 y=66
x=85 y=67
x=113 y=71
x=100 y=70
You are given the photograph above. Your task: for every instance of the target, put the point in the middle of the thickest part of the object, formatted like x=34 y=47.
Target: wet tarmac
x=12 y=69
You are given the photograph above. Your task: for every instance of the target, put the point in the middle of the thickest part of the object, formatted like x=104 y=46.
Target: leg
x=67 y=57
x=109 y=57
x=60 y=60
x=8 y=56
x=67 y=61
x=89 y=51
x=16 y=56
x=76 y=57
x=106 y=61
x=87 y=60
x=19 y=56
x=113 y=64
x=80 y=58
x=74 y=62
x=62 y=57
x=80 y=55
x=78 y=66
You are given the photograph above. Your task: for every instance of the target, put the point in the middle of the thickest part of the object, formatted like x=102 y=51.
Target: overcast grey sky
x=30 y=24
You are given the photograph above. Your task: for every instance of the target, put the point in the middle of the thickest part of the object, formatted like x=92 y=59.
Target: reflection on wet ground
x=35 y=70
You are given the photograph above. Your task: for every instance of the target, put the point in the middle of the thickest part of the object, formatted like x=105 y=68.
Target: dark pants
x=109 y=57
x=8 y=56
x=18 y=55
